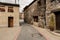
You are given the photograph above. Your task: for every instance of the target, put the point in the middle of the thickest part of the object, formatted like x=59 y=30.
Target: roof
x=29 y=5
x=9 y=4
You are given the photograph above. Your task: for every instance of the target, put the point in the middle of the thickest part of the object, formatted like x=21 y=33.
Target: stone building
x=53 y=14
x=21 y=15
x=44 y=13
x=34 y=13
x=9 y=15
x=21 y=18
x=30 y=13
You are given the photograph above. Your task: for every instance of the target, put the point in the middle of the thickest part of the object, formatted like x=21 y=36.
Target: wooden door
x=10 y=21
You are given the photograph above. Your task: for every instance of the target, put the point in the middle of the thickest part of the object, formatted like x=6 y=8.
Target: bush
x=51 y=25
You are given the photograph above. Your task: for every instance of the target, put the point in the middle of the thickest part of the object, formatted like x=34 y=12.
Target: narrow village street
x=29 y=33
x=29 y=19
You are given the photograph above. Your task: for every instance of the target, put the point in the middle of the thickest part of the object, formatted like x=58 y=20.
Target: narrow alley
x=29 y=33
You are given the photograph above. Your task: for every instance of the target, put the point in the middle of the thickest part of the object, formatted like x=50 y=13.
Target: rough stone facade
x=47 y=12
x=35 y=10
x=30 y=11
x=41 y=10
x=52 y=8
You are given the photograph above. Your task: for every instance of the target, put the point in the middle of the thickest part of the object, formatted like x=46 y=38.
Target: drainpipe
x=18 y=1
x=15 y=1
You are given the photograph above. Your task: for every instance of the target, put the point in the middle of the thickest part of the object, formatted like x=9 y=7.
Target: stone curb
x=55 y=34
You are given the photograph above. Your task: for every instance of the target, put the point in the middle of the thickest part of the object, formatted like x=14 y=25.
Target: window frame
x=2 y=8
x=10 y=9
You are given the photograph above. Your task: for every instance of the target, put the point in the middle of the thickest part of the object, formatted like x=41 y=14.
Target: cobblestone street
x=29 y=33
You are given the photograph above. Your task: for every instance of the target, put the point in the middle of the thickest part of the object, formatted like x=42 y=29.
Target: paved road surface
x=29 y=33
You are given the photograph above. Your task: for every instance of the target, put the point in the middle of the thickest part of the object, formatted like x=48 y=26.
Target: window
x=10 y=9
x=35 y=18
x=39 y=2
x=2 y=8
x=52 y=0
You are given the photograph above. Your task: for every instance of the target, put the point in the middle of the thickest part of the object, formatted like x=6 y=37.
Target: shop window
x=10 y=9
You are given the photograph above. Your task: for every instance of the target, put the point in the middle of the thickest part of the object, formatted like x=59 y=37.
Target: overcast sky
x=22 y=3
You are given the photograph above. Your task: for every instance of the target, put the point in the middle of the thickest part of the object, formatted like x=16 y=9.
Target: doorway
x=57 y=14
x=10 y=21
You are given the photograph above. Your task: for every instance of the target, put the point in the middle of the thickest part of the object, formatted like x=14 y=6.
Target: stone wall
x=37 y=8
x=30 y=12
x=51 y=7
